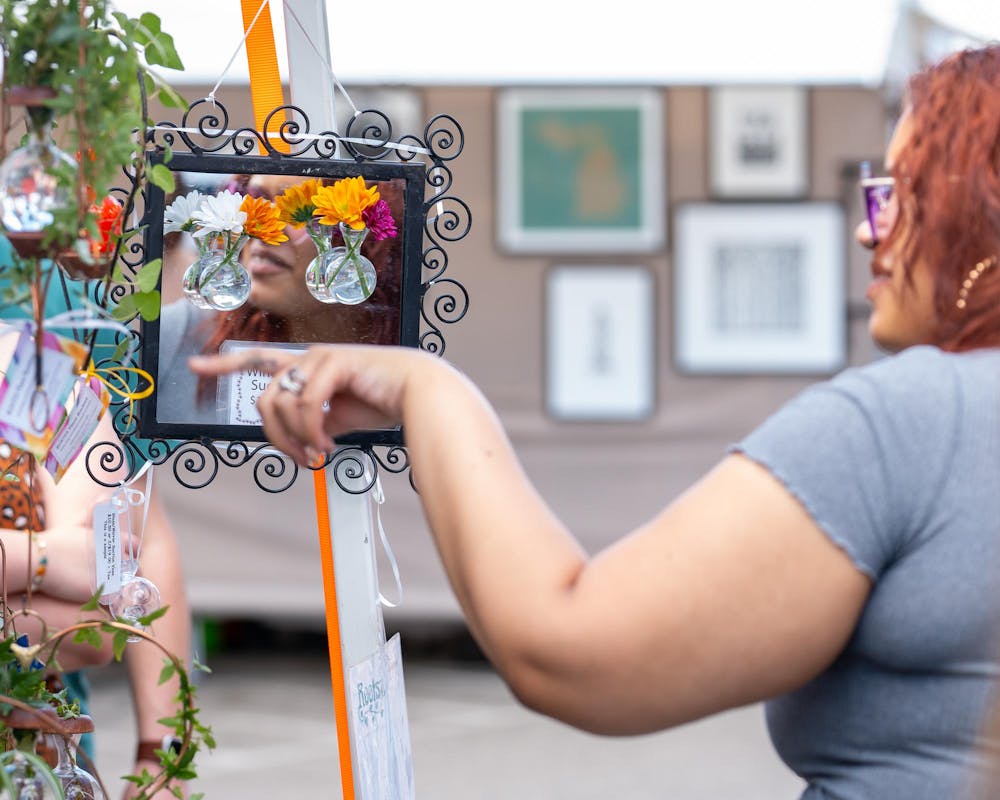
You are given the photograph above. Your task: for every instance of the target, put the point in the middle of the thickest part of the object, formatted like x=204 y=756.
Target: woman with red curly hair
x=840 y=563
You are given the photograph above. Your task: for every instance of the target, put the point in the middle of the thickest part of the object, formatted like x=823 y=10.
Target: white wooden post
x=361 y=631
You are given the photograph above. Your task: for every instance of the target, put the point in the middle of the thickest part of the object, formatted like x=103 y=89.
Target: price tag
x=29 y=414
x=107 y=550
x=81 y=422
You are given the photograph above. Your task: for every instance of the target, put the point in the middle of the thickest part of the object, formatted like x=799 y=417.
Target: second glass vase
x=350 y=278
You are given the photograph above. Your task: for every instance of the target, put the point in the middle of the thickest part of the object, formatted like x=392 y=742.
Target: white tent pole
x=309 y=80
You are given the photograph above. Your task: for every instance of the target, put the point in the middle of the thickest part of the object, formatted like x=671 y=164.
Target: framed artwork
x=760 y=288
x=599 y=343
x=758 y=141
x=580 y=170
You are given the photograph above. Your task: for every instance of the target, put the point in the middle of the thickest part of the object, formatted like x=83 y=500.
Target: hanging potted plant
x=81 y=73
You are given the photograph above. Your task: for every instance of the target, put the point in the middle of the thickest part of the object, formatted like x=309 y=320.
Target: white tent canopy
x=455 y=42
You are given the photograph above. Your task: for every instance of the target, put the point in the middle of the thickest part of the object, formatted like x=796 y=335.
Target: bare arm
x=730 y=595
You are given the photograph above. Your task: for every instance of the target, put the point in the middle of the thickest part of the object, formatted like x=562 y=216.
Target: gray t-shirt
x=898 y=463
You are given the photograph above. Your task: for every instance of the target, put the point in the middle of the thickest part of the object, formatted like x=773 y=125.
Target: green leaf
x=148 y=304
x=159 y=46
x=148 y=275
x=196 y=664
x=88 y=636
x=126 y=309
x=161 y=176
x=120 y=350
x=95 y=600
x=168 y=671
x=117 y=276
x=118 y=644
x=169 y=97
x=151 y=617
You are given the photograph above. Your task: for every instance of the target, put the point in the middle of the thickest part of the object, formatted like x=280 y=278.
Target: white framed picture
x=760 y=288
x=758 y=141
x=580 y=170
x=600 y=342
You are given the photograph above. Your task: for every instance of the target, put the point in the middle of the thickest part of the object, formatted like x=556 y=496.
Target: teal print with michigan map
x=580 y=168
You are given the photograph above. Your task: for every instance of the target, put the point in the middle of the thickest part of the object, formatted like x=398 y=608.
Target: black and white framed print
x=759 y=288
x=758 y=142
x=599 y=342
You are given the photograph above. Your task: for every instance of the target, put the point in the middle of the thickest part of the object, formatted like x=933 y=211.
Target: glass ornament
x=77 y=783
x=28 y=780
x=139 y=597
x=29 y=186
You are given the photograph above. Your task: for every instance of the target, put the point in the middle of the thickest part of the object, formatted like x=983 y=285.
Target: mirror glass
x=280 y=312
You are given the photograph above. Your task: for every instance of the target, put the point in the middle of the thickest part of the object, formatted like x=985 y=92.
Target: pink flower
x=378 y=219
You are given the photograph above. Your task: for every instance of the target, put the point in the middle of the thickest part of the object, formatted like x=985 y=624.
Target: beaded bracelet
x=43 y=562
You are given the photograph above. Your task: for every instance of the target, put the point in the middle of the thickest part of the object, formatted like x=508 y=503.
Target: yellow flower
x=344 y=202
x=262 y=220
x=295 y=204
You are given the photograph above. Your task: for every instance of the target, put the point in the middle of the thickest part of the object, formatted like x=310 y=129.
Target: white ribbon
x=125 y=497
x=379 y=497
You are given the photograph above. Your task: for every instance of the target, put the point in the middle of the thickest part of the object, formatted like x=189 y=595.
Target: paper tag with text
x=107 y=550
x=88 y=407
x=238 y=392
x=29 y=414
x=380 y=724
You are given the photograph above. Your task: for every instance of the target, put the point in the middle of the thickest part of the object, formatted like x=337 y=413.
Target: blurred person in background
x=840 y=563
x=60 y=515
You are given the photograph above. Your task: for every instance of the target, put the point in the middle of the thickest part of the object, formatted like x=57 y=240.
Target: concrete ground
x=271 y=713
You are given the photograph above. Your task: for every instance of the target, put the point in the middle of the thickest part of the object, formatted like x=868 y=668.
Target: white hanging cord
x=379 y=498
x=126 y=497
x=329 y=67
x=222 y=77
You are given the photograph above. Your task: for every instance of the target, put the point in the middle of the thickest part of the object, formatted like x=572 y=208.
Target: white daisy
x=220 y=213
x=179 y=215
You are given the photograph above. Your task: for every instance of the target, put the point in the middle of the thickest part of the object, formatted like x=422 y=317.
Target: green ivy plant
x=96 y=66
x=22 y=686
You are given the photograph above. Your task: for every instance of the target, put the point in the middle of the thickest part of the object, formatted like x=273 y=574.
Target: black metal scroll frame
x=204 y=129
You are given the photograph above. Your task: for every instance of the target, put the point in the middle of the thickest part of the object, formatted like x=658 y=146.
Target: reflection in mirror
x=280 y=311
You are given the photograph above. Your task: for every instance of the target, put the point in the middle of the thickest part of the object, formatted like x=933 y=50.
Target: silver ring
x=292 y=381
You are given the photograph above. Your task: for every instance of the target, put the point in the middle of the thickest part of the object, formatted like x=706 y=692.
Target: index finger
x=266 y=361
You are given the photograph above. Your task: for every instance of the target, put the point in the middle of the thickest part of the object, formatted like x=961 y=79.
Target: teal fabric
x=78 y=690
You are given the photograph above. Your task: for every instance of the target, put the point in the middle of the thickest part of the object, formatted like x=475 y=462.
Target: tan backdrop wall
x=248 y=553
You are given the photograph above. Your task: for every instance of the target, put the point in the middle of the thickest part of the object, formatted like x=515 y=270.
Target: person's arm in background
x=160 y=562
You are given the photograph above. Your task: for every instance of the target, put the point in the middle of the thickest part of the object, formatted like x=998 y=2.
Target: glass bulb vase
x=350 y=278
x=326 y=253
x=225 y=284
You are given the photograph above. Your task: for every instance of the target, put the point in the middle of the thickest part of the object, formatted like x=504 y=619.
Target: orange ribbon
x=265 y=80
x=333 y=634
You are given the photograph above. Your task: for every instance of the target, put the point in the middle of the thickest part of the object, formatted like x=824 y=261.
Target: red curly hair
x=948 y=187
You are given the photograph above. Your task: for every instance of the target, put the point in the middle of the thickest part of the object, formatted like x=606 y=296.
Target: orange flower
x=262 y=220
x=344 y=202
x=295 y=204
x=109 y=223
